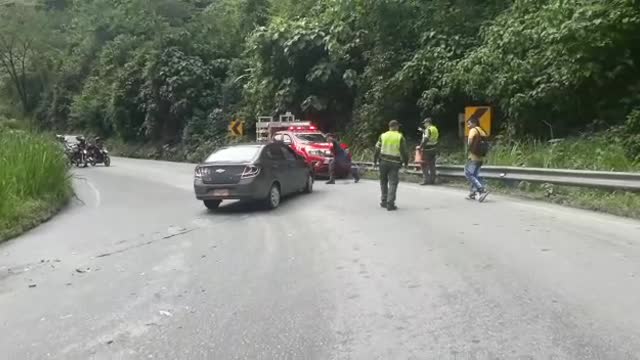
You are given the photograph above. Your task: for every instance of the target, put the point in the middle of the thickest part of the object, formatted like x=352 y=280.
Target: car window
x=277 y=137
x=312 y=138
x=289 y=155
x=286 y=139
x=245 y=153
x=274 y=153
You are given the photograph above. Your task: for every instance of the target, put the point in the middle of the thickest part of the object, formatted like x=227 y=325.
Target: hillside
x=177 y=71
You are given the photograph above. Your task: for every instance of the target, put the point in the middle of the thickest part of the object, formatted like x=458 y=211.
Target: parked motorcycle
x=98 y=153
x=80 y=155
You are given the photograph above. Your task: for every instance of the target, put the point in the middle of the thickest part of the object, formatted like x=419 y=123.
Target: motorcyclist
x=82 y=142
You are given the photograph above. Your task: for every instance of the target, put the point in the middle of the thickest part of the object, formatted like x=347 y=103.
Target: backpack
x=481 y=145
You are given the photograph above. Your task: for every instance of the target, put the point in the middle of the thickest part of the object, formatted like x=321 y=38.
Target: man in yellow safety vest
x=429 y=147
x=391 y=153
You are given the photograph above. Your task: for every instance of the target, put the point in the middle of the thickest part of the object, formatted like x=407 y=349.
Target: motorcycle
x=98 y=154
x=80 y=157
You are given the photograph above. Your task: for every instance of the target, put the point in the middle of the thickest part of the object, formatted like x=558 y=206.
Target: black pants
x=355 y=172
x=429 y=167
x=389 y=181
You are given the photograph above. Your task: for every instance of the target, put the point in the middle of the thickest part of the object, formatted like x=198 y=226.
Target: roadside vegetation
x=34 y=182
x=603 y=152
x=177 y=71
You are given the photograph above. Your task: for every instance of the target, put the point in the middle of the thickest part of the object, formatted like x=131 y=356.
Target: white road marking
x=96 y=192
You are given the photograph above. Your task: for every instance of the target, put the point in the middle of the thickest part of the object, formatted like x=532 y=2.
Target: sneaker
x=356 y=180
x=383 y=205
x=330 y=182
x=471 y=196
x=391 y=207
x=483 y=196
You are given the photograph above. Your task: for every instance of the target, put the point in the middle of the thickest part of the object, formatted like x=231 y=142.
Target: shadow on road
x=248 y=207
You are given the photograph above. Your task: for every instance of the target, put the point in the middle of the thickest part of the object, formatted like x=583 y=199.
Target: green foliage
x=631 y=135
x=291 y=70
x=177 y=71
x=33 y=180
x=598 y=152
x=567 y=62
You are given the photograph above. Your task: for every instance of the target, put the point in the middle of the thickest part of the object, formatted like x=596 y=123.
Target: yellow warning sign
x=237 y=128
x=482 y=113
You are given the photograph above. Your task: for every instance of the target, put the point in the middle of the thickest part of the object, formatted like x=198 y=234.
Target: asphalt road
x=136 y=268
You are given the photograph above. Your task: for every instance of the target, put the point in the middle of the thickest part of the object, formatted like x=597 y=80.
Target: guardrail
x=582 y=178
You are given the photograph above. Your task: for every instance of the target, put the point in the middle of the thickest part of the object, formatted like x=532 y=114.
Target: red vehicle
x=312 y=145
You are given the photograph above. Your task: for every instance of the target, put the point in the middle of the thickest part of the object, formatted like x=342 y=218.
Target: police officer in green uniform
x=429 y=147
x=391 y=153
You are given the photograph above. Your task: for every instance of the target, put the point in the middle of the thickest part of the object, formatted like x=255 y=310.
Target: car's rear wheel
x=308 y=188
x=212 y=204
x=273 y=199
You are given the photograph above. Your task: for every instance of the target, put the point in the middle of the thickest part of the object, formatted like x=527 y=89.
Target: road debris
x=32 y=285
x=82 y=271
x=165 y=313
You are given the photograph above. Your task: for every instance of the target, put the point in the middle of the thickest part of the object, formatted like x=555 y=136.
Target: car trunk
x=222 y=174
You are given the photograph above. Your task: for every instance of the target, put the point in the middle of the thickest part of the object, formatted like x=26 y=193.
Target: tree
x=20 y=42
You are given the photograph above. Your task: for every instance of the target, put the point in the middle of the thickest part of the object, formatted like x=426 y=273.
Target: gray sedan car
x=255 y=172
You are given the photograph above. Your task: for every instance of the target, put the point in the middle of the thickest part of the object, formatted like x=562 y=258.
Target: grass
x=598 y=152
x=34 y=180
x=595 y=152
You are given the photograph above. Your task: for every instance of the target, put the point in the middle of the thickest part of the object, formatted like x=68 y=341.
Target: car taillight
x=250 y=172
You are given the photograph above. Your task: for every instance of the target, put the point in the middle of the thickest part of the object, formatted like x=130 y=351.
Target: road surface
x=136 y=268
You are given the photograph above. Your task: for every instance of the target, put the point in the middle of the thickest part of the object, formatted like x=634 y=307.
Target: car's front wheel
x=212 y=204
x=274 y=197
